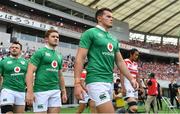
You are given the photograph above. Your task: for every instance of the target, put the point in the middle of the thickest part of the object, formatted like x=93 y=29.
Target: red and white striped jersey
x=132 y=66
x=83 y=74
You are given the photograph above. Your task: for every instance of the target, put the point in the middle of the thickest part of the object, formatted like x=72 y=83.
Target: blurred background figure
x=173 y=92
x=152 y=93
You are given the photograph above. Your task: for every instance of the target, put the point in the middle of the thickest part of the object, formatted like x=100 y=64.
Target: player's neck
x=103 y=26
x=16 y=57
x=50 y=46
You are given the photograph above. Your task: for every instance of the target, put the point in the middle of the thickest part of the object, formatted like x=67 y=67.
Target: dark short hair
x=48 y=32
x=118 y=80
x=152 y=75
x=100 y=12
x=17 y=43
x=132 y=51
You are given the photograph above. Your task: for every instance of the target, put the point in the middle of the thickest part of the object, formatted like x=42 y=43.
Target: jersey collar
x=100 y=27
x=14 y=57
x=49 y=47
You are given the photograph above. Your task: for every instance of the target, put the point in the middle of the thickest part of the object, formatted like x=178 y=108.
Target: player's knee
x=6 y=108
x=132 y=107
x=91 y=104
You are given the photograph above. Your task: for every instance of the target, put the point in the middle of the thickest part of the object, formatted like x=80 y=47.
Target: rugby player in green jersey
x=102 y=51
x=49 y=83
x=13 y=71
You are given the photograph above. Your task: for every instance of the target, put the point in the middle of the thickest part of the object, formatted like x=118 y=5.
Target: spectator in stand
x=155 y=46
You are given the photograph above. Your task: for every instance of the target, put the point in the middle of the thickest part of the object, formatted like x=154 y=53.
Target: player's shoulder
x=59 y=54
x=40 y=50
x=114 y=38
x=127 y=60
x=23 y=59
x=91 y=30
x=6 y=59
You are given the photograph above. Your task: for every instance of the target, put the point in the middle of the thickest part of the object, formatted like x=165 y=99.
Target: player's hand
x=84 y=88
x=134 y=84
x=78 y=91
x=123 y=90
x=64 y=97
x=30 y=98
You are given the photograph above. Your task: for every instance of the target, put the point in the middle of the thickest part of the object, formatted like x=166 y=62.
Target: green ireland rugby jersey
x=13 y=71
x=48 y=63
x=102 y=48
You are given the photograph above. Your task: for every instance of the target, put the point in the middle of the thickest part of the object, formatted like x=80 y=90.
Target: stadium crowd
x=155 y=46
x=38 y=18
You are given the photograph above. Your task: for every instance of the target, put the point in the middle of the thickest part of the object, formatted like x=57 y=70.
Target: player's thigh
x=19 y=108
x=7 y=98
x=52 y=110
x=55 y=99
x=81 y=107
x=106 y=107
x=99 y=92
x=130 y=92
x=19 y=98
x=92 y=106
x=41 y=102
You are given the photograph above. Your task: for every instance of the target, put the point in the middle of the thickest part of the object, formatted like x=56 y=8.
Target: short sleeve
x=36 y=58
x=117 y=47
x=61 y=62
x=86 y=39
x=1 y=67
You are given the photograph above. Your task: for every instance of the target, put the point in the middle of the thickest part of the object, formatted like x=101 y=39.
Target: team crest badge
x=54 y=64
x=110 y=47
x=17 y=69
x=102 y=96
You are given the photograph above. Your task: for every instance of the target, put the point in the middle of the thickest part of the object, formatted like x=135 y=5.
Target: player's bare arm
x=124 y=70
x=29 y=83
x=63 y=88
x=80 y=59
x=122 y=84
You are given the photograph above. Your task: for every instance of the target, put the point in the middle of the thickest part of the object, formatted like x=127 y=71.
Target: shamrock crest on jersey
x=17 y=69
x=54 y=64
x=110 y=47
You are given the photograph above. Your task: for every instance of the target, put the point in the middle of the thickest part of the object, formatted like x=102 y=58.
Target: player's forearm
x=124 y=70
x=122 y=66
x=62 y=84
x=77 y=70
x=29 y=82
x=122 y=80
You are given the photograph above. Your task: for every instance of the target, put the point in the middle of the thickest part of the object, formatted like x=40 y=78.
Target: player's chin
x=110 y=26
x=55 y=44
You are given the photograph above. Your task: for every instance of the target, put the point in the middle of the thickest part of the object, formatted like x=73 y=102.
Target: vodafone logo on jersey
x=54 y=64
x=110 y=47
x=17 y=69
